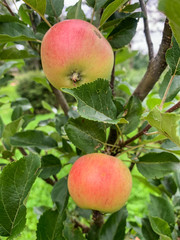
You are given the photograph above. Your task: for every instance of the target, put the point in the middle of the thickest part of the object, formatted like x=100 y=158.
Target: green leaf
x=50 y=165
x=33 y=138
x=87 y=135
x=110 y=9
x=42 y=80
x=60 y=121
x=1 y=127
x=96 y=4
x=147 y=184
x=72 y=233
x=66 y=146
x=16 y=181
x=38 y=6
x=115 y=226
x=91 y=3
x=95 y=101
x=4 y=81
x=160 y=207
x=17 y=113
x=51 y=223
x=99 y=4
x=14 y=53
x=134 y=111
x=157 y=165
x=9 y=130
x=123 y=33
x=60 y=194
x=23 y=13
x=75 y=12
x=7 y=66
x=15 y=31
x=124 y=54
x=27 y=119
x=167 y=124
x=161 y=227
x=169 y=184
x=147 y=230
x=174 y=88
x=126 y=87
x=171 y=9
x=48 y=107
x=54 y=7
x=9 y=18
x=93 y=233
x=23 y=103
x=173 y=58
x=131 y=7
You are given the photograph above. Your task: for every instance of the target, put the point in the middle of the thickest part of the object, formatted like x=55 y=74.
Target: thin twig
x=55 y=178
x=12 y=159
x=131 y=166
x=146 y=30
x=85 y=229
x=8 y=7
x=49 y=181
x=174 y=108
x=61 y=99
x=137 y=135
x=24 y=153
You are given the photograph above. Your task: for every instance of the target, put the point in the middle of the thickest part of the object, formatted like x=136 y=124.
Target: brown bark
x=146 y=30
x=156 y=66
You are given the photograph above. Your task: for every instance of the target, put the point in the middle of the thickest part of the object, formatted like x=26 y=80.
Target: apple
x=74 y=52
x=99 y=182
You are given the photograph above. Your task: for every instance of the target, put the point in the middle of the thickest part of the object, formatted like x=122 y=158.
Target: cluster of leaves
x=88 y=129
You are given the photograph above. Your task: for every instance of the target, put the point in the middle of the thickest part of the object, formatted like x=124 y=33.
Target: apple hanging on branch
x=99 y=182
x=74 y=52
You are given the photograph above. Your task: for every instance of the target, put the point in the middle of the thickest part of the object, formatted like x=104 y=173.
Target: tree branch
x=8 y=7
x=49 y=181
x=61 y=100
x=85 y=229
x=156 y=66
x=24 y=153
x=146 y=30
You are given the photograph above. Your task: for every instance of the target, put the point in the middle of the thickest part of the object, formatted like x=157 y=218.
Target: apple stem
x=98 y=218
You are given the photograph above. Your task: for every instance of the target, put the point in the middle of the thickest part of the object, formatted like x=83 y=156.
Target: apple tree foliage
x=144 y=129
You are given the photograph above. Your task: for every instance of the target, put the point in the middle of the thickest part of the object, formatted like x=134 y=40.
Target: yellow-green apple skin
x=99 y=182
x=74 y=52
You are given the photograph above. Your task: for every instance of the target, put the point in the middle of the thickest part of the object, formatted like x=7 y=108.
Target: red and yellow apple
x=74 y=52
x=99 y=182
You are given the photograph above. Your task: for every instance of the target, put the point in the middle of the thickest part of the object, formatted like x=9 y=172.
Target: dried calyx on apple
x=74 y=52
x=99 y=182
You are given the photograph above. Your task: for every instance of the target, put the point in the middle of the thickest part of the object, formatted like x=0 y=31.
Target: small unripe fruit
x=74 y=52
x=100 y=182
